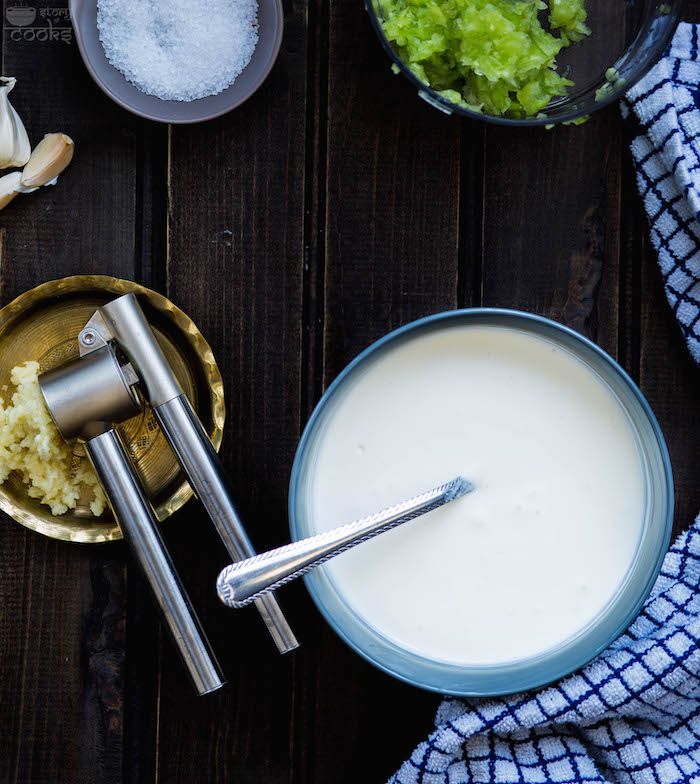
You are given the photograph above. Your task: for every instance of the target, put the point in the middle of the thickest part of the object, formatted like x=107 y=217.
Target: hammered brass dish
x=43 y=325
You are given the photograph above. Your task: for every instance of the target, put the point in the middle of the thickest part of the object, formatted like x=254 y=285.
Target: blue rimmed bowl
x=614 y=618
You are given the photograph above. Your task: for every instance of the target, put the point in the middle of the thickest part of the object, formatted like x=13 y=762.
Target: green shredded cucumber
x=492 y=56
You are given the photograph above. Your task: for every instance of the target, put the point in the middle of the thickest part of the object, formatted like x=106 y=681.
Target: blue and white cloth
x=633 y=714
x=666 y=152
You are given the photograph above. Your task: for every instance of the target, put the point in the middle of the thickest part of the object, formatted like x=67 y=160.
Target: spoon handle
x=242 y=583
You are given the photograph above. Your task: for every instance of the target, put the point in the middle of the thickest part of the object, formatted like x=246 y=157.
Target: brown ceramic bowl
x=112 y=82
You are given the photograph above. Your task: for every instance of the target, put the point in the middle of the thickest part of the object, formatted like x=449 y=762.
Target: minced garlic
x=31 y=444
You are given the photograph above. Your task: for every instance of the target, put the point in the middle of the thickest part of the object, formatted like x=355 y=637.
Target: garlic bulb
x=14 y=142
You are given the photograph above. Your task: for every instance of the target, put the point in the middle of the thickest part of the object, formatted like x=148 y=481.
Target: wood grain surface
x=329 y=209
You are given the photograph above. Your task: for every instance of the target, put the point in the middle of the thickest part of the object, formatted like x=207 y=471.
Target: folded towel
x=666 y=104
x=633 y=714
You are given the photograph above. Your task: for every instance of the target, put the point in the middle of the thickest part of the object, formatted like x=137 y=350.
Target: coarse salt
x=179 y=50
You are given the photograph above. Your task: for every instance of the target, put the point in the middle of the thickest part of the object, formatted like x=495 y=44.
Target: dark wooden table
x=329 y=209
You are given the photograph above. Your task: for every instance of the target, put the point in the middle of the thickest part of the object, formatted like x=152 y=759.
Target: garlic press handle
x=123 y=321
x=198 y=457
x=138 y=522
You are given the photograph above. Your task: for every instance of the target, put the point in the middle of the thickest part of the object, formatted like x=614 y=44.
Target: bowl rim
x=88 y=534
x=431 y=97
x=520 y=675
x=76 y=8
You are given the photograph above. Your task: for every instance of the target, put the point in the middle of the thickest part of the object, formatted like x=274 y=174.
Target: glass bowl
x=637 y=34
x=614 y=618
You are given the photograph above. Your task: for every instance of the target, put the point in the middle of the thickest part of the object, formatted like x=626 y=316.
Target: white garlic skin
x=14 y=142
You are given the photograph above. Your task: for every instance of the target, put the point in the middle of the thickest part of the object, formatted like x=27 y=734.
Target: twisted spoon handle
x=242 y=583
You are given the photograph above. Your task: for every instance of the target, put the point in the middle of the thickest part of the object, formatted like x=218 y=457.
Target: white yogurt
x=537 y=550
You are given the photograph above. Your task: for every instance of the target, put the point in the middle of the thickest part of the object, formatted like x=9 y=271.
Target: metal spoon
x=242 y=583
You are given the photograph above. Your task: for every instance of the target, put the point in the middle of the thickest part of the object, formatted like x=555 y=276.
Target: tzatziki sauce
x=537 y=550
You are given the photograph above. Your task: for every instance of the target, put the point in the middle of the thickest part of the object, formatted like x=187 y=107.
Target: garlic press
x=86 y=398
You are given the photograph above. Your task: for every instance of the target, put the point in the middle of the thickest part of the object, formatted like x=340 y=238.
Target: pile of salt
x=179 y=50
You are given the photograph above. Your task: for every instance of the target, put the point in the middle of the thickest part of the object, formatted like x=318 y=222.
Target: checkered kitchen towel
x=667 y=159
x=633 y=714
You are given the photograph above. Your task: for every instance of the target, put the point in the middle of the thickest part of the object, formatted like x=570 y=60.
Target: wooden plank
x=392 y=226
x=236 y=260
x=552 y=209
x=393 y=253
x=63 y=620
x=691 y=12
x=550 y=227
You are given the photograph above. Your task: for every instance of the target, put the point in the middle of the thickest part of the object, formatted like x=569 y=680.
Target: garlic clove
x=15 y=149
x=50 y=157
x=9 y=185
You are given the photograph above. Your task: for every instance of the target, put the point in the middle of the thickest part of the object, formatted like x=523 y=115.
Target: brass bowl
x=43 y=325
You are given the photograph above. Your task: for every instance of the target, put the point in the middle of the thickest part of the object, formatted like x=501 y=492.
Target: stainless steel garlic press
x=87 y=398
